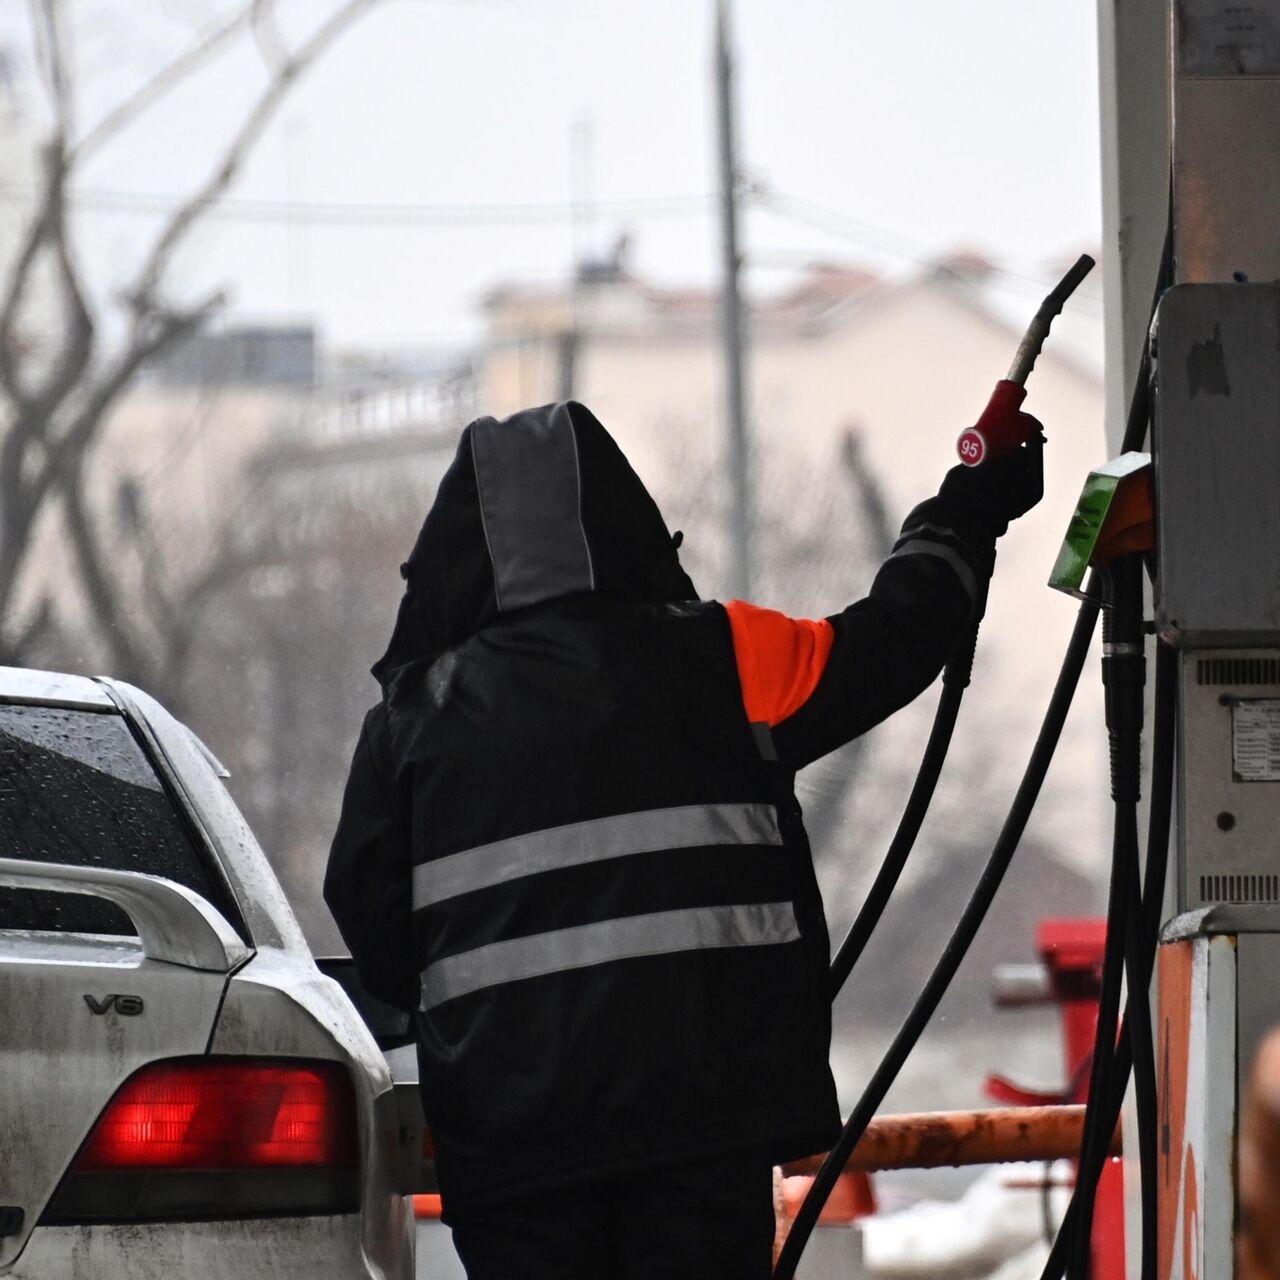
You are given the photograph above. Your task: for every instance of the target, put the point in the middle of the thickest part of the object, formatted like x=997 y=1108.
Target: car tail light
x=218 y=1138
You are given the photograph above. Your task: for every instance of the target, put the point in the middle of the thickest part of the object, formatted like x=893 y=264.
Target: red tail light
x=218 y=1137
x=227 y=1115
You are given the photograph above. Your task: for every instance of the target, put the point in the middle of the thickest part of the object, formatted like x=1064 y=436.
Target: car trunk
x=115 y=946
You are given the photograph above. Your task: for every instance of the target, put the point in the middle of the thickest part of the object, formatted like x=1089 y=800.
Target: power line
x=887 y=242
x=410 y=216
x=374 y=215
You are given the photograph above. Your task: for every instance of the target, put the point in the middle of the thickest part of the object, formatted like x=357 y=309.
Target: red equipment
x=1070 y=976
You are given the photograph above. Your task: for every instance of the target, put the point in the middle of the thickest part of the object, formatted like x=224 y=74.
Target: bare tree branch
x=231 y=561
x=266 y=32
x=54 y=403
x=20 y=279
x=36 y=630
x=869 y=494
x=71 y=362
x=33 y=406
x=46 y=17
x=179 y=615
x=207 y=46
x=137 y=529
x=101 y=587
x=151 y=336
x=46 y=21
x=238 y=149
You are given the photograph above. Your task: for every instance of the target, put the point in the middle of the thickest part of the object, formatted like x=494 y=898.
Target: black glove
x=988 y=496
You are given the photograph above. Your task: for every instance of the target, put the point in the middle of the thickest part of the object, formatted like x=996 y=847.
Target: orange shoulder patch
x=780 y=659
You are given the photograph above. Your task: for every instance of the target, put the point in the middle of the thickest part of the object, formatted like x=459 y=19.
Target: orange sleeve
x=780 y=659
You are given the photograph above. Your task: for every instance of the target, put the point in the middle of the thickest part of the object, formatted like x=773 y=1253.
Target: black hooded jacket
x=570 y=840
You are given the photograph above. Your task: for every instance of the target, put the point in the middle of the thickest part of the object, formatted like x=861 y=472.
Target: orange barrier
x=932 y=1139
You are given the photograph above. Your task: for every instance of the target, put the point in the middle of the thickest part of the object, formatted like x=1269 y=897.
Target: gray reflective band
x=689 y=827
x=658 y=934
x=529 y=486
x=926 y=527
x=963 y=571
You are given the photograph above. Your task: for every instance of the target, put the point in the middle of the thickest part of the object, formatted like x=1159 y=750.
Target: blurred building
x=903 y=362
x=281 y=356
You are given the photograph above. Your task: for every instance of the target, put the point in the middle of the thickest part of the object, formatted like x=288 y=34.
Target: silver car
x=183 y=1092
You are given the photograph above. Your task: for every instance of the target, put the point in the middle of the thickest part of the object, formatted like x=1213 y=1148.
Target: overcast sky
x=942 y=124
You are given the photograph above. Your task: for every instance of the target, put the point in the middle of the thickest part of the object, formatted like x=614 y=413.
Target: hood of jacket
x=534 y=506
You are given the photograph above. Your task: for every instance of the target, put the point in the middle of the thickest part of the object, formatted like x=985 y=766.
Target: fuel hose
x=1123 y=675
x=1131 y=1051
x=957 y=946
x=998 y=430
x=955 y=679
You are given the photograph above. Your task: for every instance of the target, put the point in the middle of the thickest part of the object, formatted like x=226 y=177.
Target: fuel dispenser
x=1217 y=601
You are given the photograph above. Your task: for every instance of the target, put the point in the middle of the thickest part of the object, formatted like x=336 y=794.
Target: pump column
x=1217 y=598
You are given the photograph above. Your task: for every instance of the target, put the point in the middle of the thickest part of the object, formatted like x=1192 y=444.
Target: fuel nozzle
x=1003 y=427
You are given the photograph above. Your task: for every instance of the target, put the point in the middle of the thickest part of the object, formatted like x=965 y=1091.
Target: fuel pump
x=1217 y=604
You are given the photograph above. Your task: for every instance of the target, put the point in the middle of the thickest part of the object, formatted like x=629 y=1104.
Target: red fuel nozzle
x=1002 y=428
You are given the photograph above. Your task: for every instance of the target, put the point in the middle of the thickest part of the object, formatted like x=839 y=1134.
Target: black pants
x=697 y=1222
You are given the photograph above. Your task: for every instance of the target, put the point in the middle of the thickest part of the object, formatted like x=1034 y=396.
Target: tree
x=329 y=525
x=54 y=402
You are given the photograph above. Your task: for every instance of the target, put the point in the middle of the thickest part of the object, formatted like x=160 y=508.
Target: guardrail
x=934 y=1139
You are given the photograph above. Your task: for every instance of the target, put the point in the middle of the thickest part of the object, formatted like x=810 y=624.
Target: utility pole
x=582 y=204
x=731 y=318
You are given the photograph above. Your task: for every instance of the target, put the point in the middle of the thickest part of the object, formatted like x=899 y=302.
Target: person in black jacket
x=570 y=844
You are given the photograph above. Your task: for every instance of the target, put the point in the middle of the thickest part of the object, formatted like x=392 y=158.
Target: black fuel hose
x=1097 y=1135
x=1147 y=930
x=955 y=679
x=1157 y=861
x=1138 y=949
x=1137 y=968
x=1123 y=677
x=957 y=946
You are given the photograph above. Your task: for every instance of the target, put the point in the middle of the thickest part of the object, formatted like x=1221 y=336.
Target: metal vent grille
x=1238 y=671
x=1240 y=888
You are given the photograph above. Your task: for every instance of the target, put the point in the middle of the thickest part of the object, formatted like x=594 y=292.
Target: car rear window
x=75 y=787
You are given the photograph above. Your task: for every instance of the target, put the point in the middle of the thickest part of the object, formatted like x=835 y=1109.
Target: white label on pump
x=1255 y=740
x=1227 y=38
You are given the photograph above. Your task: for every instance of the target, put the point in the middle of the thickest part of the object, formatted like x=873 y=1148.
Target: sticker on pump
x=1255 y=740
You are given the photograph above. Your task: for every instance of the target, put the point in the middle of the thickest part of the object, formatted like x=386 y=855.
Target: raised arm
x=818 y=684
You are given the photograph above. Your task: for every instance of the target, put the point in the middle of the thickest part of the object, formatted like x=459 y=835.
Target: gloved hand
x=992 y=494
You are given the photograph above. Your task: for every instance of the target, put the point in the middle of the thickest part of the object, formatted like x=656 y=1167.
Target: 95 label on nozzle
x=971 y=447
x=1255 y=740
